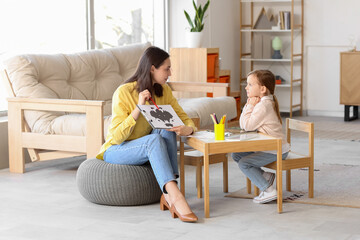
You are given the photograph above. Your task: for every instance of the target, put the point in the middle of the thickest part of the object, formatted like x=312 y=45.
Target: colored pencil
x=154 y=103
x=213 y=118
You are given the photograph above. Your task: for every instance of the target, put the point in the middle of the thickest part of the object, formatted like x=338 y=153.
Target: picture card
x=163 y=118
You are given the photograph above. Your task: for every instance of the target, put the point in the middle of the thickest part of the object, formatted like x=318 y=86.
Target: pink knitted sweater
x=262 y=117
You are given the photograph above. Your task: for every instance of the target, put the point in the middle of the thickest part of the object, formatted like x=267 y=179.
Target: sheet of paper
x=203 y=135
x=241 y=137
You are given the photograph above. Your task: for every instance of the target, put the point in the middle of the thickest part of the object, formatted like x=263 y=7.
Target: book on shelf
x=281 y=18
x=287 y=18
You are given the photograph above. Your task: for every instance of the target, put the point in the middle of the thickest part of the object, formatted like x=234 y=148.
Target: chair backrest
x=302 y=126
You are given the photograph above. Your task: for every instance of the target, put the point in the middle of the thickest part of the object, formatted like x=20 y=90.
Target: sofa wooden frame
x=43 y=147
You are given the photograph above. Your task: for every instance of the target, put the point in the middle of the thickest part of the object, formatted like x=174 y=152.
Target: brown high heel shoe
x=163 y=203
x=190 y=217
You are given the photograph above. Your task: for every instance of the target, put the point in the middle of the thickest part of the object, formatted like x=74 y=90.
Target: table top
x=204 y=141
x=209 y=137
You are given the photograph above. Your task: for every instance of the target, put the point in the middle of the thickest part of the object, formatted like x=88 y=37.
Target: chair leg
x=248 y=185
x=15 y=129
x=311 y=181
x=225 y=174
x=199 y=179
x=256 y=191
x=288 y=180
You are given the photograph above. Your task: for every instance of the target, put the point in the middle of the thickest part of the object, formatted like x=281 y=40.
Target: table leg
x=182 y=168
x=279 y=176
x=206 y=183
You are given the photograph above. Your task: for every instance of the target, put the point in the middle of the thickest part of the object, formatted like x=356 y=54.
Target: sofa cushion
x=89 y=75
x=203 y=107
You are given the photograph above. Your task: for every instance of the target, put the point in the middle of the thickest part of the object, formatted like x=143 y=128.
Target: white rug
x=334 y=185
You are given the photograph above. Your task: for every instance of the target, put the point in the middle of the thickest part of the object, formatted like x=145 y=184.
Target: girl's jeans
x=250 y=164
x=159 y=148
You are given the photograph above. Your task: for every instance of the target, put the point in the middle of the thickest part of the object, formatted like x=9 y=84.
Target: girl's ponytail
x=276 y=108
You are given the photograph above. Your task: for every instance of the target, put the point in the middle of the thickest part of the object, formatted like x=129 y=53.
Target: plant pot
x=194 y=39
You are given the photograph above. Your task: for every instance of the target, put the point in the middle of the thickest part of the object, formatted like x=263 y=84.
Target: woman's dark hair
x=266 y=78
x=152 y=56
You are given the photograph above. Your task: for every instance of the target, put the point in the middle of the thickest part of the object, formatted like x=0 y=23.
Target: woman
x=132 y=141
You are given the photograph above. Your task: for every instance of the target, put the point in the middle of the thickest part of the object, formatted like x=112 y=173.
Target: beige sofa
x=60 y=104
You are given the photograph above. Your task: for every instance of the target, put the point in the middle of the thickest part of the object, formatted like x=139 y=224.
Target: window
x=120 y=22
x=43 y=26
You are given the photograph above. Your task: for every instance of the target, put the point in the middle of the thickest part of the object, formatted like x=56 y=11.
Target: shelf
x=265 y=1
x=270 y=60
x=255 y=45
x=270 y=30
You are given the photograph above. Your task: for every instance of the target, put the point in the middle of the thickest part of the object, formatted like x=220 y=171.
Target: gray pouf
x=115 y=184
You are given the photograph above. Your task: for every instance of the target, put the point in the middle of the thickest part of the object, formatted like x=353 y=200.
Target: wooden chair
x=295 y=160
x=195 y=158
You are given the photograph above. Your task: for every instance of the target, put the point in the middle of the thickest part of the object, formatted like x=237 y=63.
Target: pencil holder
x=219 y=130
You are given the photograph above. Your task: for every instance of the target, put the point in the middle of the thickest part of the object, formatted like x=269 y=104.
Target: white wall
x=221 y=30
x=328 y=25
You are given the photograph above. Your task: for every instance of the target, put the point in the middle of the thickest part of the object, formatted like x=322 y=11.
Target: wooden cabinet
x=350 y=82
x=290 y=67
x=194 y=65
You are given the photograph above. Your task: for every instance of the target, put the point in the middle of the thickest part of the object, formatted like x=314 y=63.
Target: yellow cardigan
x=124 y=127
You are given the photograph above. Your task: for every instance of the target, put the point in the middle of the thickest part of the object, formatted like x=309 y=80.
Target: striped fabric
x=118 y=185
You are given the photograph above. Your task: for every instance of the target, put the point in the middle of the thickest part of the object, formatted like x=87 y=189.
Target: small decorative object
x=279 y=79
x=276 y=45
x=265 y=20
x=194 y=37
x=277 y=27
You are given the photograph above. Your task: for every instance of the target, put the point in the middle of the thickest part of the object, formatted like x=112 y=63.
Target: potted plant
x=194 y=37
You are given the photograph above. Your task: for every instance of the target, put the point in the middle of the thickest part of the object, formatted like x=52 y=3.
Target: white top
x=262 y=117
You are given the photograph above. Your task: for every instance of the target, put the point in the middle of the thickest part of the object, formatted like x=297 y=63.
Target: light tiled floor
x=44 y=203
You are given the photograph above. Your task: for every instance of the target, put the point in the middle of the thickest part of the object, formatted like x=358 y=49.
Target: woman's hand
x=253 y=100
x=182 y=130
x=143 y=97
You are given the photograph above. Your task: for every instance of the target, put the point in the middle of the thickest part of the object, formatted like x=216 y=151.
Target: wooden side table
x=350 y=83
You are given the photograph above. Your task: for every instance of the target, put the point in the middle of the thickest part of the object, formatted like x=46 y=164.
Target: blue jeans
x=159 y=148
x=250 y=164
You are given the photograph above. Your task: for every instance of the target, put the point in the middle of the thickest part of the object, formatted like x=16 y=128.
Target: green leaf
x=205 y=8
x=189 y=20
x=195 y=6
x=197 y=24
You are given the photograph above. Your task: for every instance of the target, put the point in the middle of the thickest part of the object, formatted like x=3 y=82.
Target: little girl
x=261 y=113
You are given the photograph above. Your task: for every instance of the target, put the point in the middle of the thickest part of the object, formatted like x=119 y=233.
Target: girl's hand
x=143 y=97
x=253 y=100
x=182 y=130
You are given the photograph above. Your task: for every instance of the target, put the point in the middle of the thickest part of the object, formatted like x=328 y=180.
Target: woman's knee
x=155 y=138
